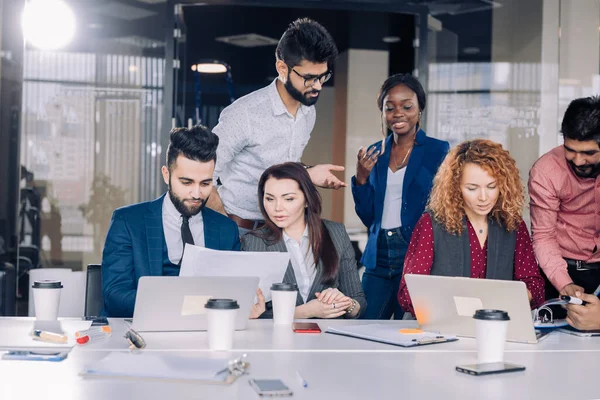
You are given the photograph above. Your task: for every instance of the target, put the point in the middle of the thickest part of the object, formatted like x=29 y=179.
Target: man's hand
x=322 y=176
x=570 y=290
x=585 y=317
x=259 y=307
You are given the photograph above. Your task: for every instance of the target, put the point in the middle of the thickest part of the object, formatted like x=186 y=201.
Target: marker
x=45 y=336
x=92 y=335
x=302 y=381
x=573 y=300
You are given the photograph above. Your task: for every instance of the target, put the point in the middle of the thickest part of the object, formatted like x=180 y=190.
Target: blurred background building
x=89 y=90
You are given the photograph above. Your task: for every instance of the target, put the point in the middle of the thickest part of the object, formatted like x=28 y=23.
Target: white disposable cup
x=46 y=298
x=284 y=297
x=221 y=315
x=491 y=327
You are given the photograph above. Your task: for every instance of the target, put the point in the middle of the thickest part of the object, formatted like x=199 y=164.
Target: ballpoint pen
x=301 y=380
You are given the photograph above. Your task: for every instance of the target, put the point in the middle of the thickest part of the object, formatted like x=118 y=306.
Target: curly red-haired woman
x=473 y=226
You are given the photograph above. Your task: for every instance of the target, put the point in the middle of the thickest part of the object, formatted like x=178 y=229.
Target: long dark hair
x=320 y=241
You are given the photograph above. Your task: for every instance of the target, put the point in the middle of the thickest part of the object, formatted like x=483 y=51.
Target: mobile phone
x=306 y=327
x=97 y=321
x=489 y=368
x=270 y=387
x=33 y=356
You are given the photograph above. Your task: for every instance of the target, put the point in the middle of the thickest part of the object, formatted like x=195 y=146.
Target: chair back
x=93 y=290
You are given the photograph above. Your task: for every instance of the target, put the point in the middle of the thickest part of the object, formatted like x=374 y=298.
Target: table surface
x=559 y=367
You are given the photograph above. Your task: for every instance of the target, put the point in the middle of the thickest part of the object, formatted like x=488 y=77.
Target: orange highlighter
x=92 y=335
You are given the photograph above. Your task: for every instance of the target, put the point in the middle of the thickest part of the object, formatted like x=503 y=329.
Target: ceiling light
x=390 y=39
x=48 y=24
x=471 y=50
x=211 y=67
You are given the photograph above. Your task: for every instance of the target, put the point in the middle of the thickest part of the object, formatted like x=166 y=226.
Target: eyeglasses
x=311 y=80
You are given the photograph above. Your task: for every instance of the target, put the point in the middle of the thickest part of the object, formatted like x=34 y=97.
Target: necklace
x=404 y=159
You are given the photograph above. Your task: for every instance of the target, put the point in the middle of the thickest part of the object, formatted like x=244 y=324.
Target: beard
x=298 y=95
x=180 y=206
x=585 y=171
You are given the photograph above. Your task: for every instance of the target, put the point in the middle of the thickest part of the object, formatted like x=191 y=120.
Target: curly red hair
x=446 y=204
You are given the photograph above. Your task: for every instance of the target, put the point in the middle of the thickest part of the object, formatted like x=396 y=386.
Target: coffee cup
x=491 y=327
x=46 y=299
x=221 y=315
x=284 y=296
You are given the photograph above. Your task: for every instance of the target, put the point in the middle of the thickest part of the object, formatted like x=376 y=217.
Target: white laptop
x=447 y=304
x=174 y=303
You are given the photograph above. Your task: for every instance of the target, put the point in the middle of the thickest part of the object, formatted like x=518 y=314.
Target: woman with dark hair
x=390 y=189
x=322 y=259
x=473 y=226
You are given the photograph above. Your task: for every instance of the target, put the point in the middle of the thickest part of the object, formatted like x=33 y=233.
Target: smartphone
x=270 y=387
x=33 y=356
x=97 y=321
x=489 y=368
x=306 y=327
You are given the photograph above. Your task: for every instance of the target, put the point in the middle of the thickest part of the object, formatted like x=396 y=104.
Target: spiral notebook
x=161 y=366
x=390 y=334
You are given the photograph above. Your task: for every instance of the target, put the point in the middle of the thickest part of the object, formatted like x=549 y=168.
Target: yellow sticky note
x=408 y=331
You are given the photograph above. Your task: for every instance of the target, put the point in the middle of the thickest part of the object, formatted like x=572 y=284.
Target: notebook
x=163 y=366
x=390 y=334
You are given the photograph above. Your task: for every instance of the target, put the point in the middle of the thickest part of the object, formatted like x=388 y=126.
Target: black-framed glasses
x=311 y=80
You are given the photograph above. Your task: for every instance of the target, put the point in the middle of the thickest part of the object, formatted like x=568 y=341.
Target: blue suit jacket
x=423 y=164
x=134 y=248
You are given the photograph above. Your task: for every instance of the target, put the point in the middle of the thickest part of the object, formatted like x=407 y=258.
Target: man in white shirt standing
x=272 y=125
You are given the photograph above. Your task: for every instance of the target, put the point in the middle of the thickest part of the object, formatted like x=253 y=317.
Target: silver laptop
x=447 y=304
x=174 y=303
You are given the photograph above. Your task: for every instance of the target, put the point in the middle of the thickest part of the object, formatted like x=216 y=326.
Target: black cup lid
x=47 y=284
x=222 y=304
x=285 y=287
x=491 y=315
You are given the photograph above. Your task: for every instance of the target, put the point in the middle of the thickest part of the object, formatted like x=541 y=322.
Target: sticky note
x=413 y=331
x=466 y=306
x=194 y=305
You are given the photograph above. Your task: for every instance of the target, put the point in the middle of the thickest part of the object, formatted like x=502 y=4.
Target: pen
x=49 y=336
x=573 y=300
x=302 y=381
x=597 y=291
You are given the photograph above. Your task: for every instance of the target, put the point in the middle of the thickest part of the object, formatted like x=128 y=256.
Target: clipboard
x=145 y=365
x=390 y=334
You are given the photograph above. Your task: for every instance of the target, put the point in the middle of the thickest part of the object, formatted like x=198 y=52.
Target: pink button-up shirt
x=565 y=216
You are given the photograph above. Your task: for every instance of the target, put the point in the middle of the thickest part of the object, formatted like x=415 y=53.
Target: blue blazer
x=426 y=157
x=134 y=248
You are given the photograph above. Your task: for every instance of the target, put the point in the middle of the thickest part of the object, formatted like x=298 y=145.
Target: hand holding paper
x=268 y=266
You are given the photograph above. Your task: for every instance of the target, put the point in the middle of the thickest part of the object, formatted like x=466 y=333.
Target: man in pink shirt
x=564 y=186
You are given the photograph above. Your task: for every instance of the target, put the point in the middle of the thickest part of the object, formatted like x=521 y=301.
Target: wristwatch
x=349 y=311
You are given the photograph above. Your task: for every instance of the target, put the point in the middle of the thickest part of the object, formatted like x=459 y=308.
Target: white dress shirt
x=172 y=220
x=303 y=262
x=256 y=132
x=392 y=203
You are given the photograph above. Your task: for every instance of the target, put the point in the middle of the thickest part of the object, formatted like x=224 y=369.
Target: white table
x=560 y=367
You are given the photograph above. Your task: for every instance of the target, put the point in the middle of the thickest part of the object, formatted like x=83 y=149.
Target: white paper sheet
x=148 y=365
x=268 y=266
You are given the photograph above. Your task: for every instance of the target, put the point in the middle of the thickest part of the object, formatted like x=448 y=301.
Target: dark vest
x=169 y=269
x=452 y=253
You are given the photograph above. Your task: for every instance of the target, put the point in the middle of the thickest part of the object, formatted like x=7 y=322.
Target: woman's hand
x=259 y=307
x=317 y=309
x=365 y=163
x=329 y=295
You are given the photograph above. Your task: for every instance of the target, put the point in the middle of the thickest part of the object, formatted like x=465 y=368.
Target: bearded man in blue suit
x=148 y=239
